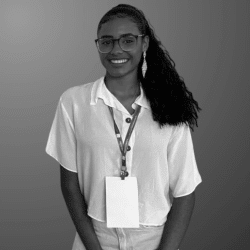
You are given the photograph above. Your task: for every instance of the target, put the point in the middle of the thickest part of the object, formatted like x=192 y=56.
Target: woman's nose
x=116 y=48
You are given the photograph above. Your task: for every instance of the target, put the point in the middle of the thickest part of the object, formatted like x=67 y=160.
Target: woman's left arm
x=177 y=222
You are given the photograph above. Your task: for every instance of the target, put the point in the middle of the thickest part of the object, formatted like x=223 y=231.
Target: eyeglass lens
x=126 y=43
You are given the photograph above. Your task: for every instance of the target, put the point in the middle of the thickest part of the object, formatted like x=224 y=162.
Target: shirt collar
x=100 y=90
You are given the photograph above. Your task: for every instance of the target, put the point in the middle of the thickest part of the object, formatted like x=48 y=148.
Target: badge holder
x=122 y=202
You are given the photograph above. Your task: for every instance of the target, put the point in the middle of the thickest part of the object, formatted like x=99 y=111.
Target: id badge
x=122 y=202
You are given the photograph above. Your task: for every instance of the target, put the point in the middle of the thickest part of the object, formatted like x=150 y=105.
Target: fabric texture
x=82 y=140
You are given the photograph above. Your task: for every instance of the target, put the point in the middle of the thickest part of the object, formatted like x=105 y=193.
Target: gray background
x=46 y=46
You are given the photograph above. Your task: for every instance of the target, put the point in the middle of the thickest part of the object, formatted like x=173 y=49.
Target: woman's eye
x=106 y=42
x=128 y=41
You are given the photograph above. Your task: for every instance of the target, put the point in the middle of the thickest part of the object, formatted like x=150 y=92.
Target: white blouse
x=82 y=139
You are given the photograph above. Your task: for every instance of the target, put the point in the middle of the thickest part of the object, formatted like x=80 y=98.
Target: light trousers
x=142 y=238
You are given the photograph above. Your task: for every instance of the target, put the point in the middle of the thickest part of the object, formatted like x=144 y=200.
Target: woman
x=141 y=87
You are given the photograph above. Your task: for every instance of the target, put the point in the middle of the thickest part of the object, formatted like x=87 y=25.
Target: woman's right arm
x=78 y=209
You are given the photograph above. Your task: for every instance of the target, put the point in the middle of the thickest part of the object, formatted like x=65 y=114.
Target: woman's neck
x=122 y=87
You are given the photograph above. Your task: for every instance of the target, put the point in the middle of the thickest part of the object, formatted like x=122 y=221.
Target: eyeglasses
x=126 y=43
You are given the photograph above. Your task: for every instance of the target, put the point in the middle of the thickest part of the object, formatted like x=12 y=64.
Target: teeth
x=119 y=61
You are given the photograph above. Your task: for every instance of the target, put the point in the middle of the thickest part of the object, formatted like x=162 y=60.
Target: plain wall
x=47 y=46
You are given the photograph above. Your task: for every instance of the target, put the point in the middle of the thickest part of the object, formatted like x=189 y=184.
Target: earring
x=144 y=65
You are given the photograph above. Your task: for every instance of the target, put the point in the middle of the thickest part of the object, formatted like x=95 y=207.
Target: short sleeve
x=61 y=144
x=183 y=172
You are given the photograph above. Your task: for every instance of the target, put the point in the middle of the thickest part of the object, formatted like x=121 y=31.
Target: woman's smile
x=121 y=61
x=118 y=63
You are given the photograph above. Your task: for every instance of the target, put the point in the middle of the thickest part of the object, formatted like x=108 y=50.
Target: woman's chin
x=116 y=74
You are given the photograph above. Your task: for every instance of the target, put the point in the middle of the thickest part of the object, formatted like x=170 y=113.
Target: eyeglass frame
x=113 y=42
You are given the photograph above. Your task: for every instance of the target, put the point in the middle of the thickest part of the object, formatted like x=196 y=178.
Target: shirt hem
x=189 y=192
x=143 y=224
x=95 y=218
x=55 y=158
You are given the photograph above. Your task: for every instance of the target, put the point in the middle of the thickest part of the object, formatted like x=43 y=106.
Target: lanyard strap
x=124 y=146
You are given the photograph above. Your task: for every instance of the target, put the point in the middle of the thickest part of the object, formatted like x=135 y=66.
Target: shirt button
x=128 y=120
x=128 y=148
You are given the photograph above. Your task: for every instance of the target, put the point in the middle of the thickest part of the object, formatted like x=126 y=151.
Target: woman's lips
x=118 y=61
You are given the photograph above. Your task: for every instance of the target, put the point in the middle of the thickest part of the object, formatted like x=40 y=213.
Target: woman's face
x=115 y=28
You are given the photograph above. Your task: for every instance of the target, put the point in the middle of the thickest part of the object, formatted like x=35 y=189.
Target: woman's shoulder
x=79 y=94
x=76 y=92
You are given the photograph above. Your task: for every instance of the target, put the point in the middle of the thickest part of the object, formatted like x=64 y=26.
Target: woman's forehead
x=117 y=27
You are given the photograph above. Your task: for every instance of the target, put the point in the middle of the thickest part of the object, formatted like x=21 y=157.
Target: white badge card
x=122 y=202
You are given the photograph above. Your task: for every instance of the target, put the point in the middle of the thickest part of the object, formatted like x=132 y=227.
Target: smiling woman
x=128 y=169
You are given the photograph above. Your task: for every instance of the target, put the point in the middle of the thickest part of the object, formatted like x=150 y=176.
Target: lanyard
x=124 y=147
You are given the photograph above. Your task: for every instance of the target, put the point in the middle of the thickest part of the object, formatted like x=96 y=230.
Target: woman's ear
x=145 y=43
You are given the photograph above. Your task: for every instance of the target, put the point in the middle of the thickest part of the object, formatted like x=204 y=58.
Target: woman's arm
x=177 y=222
x=78 y=209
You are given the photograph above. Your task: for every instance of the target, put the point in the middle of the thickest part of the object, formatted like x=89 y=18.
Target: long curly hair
x=170 y=101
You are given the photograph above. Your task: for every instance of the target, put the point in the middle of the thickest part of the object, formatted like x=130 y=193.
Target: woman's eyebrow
x=109 y=36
